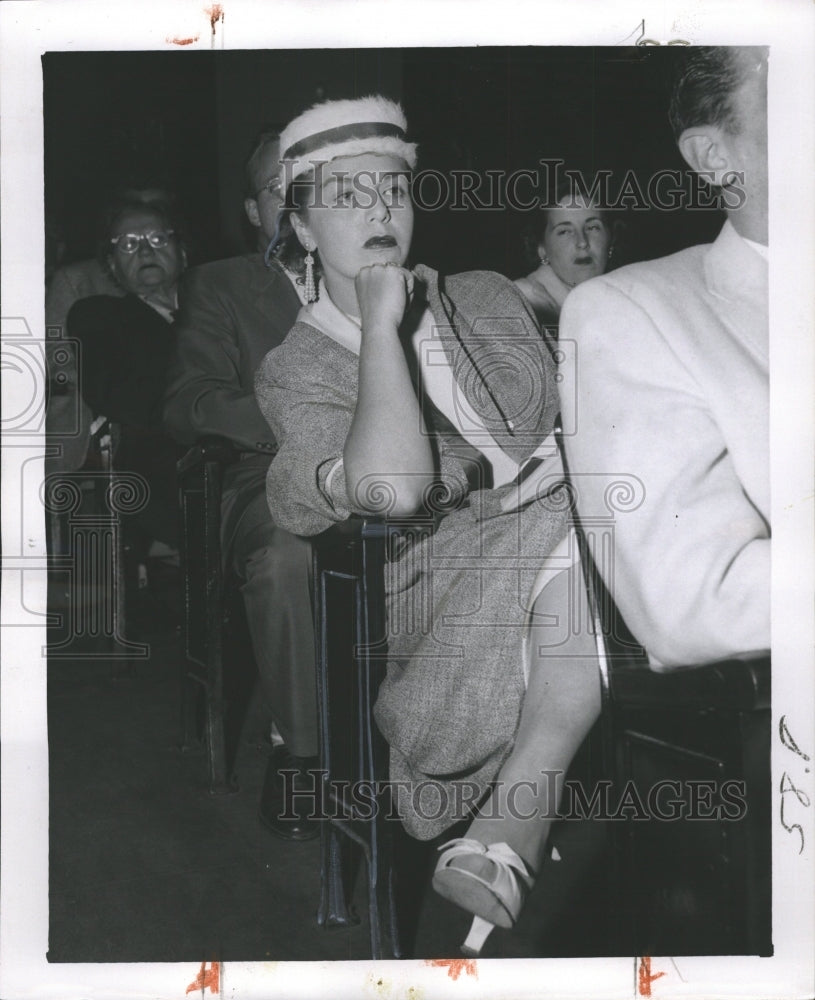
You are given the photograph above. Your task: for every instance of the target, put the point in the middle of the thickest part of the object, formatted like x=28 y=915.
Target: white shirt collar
x=333 y=322
x=166 y=312
x=760 y=248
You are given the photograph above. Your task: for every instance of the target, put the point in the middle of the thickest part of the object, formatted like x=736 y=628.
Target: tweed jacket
x=232 y=312
x=307 y=390
x=458 y=594
x=672 y=388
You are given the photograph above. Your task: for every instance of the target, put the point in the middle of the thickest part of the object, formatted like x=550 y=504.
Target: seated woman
x=126 y=344
x=402 y=392
x=570 y=242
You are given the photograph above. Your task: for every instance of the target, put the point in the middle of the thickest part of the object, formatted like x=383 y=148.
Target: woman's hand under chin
x=384 y=292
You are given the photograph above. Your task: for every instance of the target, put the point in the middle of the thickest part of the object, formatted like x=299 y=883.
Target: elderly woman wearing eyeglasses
x=127 y=343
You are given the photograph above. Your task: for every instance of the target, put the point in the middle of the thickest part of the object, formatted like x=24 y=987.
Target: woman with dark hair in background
x=569 y=241
x=126 y=344
x=402 y=392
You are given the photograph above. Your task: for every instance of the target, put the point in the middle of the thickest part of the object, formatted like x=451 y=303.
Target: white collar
x=333 y=322
x=729 y=231
x=555 y=286
x=759 y=248
x=166 y=312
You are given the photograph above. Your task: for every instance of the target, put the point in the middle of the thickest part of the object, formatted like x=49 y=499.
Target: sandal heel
x=479 y=932
x=495 y=900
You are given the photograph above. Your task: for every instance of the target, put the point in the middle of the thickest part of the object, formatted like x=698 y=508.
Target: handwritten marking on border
x=646 y=977
x=455 y=966
x=215 y=13
x=786 y=738
x=207 y=977
x=788 y=785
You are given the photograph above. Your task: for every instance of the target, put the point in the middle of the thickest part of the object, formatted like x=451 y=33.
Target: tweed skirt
x=459 y=600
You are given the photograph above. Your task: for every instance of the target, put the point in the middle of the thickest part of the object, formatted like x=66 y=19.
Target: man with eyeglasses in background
x=68 y=417
x=232 y=313
x=126 y=342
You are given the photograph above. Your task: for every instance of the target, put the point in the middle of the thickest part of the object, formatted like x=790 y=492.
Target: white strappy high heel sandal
x=494 y=902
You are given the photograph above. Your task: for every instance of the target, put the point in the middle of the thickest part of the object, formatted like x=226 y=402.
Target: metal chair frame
x=200 y=476
x=348 y=577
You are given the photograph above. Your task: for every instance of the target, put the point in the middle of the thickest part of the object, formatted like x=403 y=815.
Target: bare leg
x=561 y=704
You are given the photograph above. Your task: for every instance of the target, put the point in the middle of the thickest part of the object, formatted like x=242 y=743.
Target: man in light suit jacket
x=232 y=313
x=672 y=388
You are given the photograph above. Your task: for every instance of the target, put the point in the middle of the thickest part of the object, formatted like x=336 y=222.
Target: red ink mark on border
x=455 y=966
x=646 y=977
x=175 y=40
x=207 y=977
x=215 y=13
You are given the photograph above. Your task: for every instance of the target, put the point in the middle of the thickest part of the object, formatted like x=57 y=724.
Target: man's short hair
x=707 y=78
x=252 y=182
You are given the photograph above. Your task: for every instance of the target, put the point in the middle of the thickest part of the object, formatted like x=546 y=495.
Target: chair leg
x=382 y=894
x=219 y=780
x=334 y=910
x=189 y=729
x=122 y=667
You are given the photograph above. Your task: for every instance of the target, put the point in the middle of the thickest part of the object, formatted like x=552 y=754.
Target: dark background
x=187 y=120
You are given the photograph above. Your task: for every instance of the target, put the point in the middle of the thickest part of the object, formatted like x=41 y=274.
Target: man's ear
x=706 y=152
x=250 y=206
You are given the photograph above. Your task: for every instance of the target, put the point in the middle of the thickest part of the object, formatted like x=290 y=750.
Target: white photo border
x=29 y=29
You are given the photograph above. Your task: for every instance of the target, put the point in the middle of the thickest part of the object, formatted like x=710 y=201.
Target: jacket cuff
x=331 y=483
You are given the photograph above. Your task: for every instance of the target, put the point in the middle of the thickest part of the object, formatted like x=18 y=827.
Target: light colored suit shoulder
x=657 y=276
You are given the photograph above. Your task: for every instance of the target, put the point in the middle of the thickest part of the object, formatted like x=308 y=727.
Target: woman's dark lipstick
x=380 y=243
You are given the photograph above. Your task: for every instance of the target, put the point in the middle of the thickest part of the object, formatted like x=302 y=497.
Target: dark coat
x=125 y=350
x=232 y=313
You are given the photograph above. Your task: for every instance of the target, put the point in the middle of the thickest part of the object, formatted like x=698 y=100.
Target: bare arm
x=387 y=447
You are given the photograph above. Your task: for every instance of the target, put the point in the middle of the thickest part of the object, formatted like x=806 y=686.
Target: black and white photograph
x=413 y=493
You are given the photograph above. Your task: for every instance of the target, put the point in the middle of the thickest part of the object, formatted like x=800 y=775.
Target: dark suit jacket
x=125 y=351
x=126 y=348
x=232 y=313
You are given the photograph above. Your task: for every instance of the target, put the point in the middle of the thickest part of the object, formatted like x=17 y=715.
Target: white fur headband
x=344 y=128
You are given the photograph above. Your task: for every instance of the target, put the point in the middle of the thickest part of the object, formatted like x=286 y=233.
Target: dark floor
x=147 y=866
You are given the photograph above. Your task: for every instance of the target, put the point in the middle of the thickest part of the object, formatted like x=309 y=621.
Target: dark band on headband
x=342 y=133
